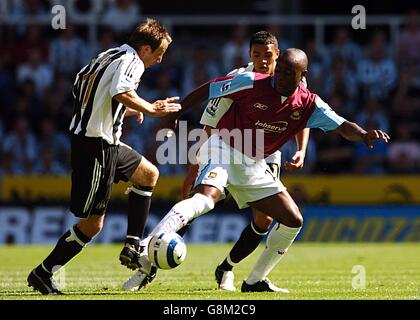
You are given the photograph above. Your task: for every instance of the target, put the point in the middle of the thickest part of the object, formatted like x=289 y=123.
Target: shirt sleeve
x=228 y=86
x=126 y=76
x=324 y=117
x=217 y=107
x=214 y=112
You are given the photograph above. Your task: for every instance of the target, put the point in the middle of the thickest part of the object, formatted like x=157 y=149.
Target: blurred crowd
x=376 y=84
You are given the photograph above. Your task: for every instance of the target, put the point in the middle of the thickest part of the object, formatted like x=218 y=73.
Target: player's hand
x=140 y=118
x=189 y=180
x=161 y=108
x=373 y=135
x=297 y=161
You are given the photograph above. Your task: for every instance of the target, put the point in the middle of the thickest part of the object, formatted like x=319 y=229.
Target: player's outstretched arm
x=193 y=99
x=196 y=97
x=298 y=158
x=159 y=108
x=189 y=180
x=351 y=131
x=193 y=167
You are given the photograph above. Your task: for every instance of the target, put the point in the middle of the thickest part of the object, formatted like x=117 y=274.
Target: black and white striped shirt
x=96 y=112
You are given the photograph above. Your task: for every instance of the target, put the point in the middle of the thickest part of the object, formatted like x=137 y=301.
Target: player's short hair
x=263 y=37
x=150 y=32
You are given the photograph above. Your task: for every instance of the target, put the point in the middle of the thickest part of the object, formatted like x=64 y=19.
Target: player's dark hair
x=151 y=32
x=263 y=37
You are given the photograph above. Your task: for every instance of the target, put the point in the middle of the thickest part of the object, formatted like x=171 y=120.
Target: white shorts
x=274 y=158
x=246 y=179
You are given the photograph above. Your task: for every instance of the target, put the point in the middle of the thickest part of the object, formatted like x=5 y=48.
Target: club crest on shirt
x=101 y=205
x=212 y=175
x=296 y=114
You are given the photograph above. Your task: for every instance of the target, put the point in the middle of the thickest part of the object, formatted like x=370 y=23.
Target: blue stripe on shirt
x=324 y=117
x=225 y=87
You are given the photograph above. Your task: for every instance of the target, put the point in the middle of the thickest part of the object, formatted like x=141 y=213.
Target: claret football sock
x=279 y=240
x=68 y=246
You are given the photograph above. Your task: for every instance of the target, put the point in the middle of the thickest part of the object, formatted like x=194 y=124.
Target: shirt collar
x=129 y=49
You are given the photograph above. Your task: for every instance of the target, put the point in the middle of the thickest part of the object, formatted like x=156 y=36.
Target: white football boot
x=225 y=279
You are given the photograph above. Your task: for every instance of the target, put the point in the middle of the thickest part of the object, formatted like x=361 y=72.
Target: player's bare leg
x=284 y=210
x=91 y=226
x=144 y=179
x=249 y=240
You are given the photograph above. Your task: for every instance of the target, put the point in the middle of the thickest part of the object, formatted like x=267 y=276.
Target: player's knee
x=297 y=220
x=152 y=175
x=262 y=221
x=91 y=227
x=210 y=192
x=145 y=175
x=294 y=218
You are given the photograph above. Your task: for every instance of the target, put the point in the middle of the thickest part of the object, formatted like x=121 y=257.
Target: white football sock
x=181 y=213
x=279 y=240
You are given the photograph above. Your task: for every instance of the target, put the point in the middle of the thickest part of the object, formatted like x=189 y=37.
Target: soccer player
x=104 y=91
x=263 y=51
x=280 y=107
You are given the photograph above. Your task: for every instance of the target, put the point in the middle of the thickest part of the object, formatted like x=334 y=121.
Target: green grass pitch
x=309 y=271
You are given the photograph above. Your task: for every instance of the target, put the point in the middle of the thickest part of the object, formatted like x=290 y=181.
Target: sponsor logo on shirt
x=260 y=106
x=274 y=127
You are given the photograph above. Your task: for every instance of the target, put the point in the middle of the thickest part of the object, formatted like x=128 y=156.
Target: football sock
x=69 y=245
x=181 y=214
x=249 y=240
x=279 y=240
x=184 y=229
x=227 y=264
x=139 y=199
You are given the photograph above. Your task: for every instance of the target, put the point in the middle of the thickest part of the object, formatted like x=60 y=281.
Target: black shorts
x=95 y=166
x=128 y=161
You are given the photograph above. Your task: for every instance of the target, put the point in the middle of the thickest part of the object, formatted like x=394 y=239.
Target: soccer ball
x=167 y=250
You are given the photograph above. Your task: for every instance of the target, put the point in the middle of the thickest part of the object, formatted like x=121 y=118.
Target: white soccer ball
x=167 y=250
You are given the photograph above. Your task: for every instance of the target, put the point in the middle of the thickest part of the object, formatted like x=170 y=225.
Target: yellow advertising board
x=335 y=189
